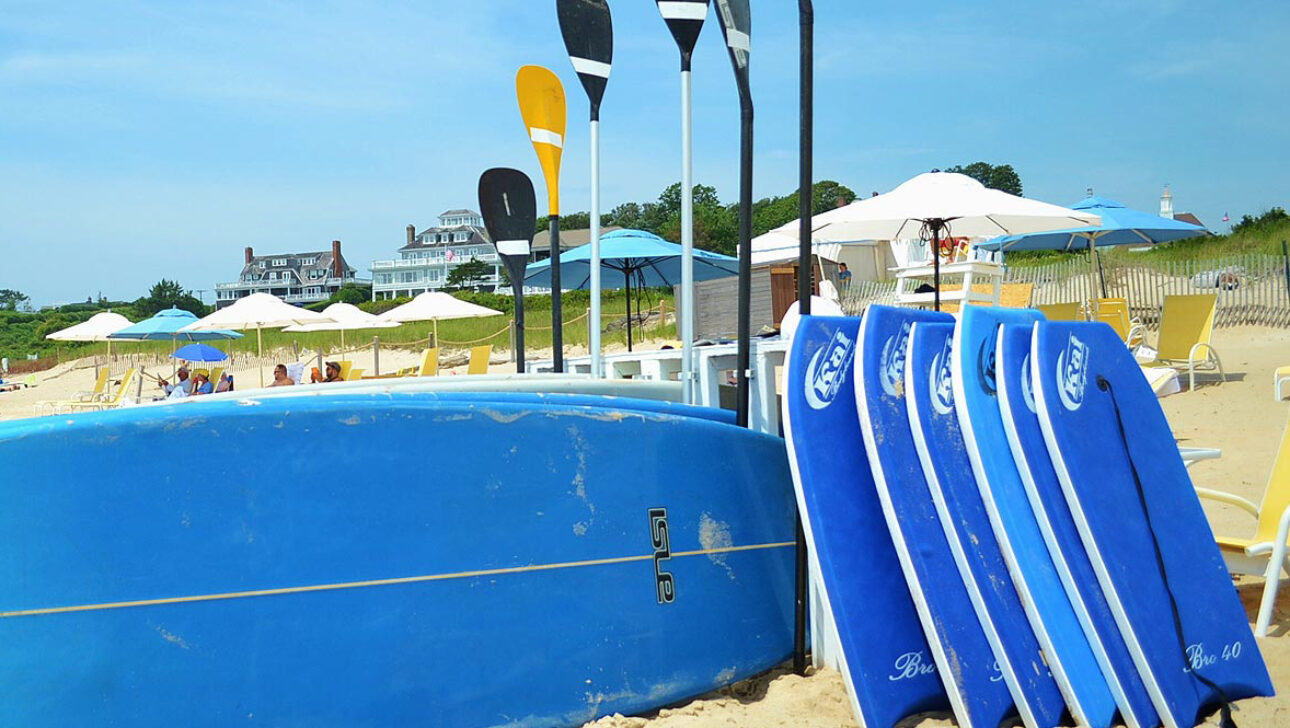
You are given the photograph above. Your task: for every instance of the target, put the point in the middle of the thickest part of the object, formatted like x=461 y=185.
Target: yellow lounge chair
x=1062 y=311
x=1265 y=554
x=1115 y=312
x=1280 y=378
x=429 y=363
x=355 y=374
x=1186 y=323
x=479 y=359
x=345 y=366
x=127 y=380
x=91 y=395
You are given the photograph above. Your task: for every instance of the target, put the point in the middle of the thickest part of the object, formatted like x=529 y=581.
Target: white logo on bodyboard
x=892 y=372
x=1072 y=373
x=941 y=386
x=911 y=665
x=827 y=369
x=1027 y=389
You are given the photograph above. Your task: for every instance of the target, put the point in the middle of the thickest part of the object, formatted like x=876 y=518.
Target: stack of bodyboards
x=1002 y=525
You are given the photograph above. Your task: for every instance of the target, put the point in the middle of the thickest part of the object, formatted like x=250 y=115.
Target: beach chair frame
x=1196 y=314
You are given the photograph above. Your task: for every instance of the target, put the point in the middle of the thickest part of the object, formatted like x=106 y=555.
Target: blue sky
x=142 y=140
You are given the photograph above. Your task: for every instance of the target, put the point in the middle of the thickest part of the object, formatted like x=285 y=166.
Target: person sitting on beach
x=333 y=372
x=225 y=383
x=280 y=378
x=184 y=384
x=202 y=384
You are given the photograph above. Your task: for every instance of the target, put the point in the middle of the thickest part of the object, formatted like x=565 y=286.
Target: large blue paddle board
x=1142 y=523
x=929 y=396
x=386 y=560
x=968 y=668
x=976 y=402
x=884 y=657
x=1030 y=453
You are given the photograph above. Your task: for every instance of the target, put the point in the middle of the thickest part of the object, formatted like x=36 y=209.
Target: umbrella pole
x=259 y=348
x=436 y=332
x=936 y=263
x=627 y=292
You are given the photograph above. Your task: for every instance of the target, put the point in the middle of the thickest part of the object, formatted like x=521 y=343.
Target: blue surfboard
x=1030 y=453
x=963 y=657
x=929 y=396
x=398 y=559
x=1141 y=523
x=883 y=656
x=1061 y=636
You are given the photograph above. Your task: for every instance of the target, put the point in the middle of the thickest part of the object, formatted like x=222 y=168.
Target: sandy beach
x=1238 y=416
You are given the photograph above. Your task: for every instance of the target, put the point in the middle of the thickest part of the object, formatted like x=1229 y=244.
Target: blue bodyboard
x=929 y=397
x=396 y=559
x=1054 y=621
x=1030 y=454
x=889 y=671
x=967 y=665
x=1141 y=522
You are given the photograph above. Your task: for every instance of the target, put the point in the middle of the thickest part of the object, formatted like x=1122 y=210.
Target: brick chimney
x=412 y=234
x=337 y=267
x=249 y=255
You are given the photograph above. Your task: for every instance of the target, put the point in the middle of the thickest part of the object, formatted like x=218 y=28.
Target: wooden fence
x=1251 y=289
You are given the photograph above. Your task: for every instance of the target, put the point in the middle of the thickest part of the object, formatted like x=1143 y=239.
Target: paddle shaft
x=687 y=235
x=805 y=274
x=594 y=332
x=743 y=355
x=557 y=317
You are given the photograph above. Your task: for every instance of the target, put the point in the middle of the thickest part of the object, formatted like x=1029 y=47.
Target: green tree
x=627 y=215
x=10 y=299
x=168 y=294
x=351 y=293
x=572 y=221
x=467 y=274
x=995 y=176
x=1268 y=219
x=772 y=212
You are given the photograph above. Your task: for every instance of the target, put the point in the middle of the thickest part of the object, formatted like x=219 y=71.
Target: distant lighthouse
x=1167 y=204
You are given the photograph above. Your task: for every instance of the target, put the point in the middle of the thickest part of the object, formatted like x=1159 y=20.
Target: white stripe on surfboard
x=988 y=626
x=1094 y=554
x=678 y=10
x=943 y=666
x=381 y=582
x=590 y=67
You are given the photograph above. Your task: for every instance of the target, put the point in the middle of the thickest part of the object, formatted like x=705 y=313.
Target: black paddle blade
x=736 y=26
x=588 y=32
x=509 y=208
x=685 y=19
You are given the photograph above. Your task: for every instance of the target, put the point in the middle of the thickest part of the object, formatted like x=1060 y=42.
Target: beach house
x=426 y=258
x=298 y=278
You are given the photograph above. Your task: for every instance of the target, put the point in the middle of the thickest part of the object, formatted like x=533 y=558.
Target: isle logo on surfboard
x=941 y=385
x=827 y=369
x=1072 y=373
x=892 y=372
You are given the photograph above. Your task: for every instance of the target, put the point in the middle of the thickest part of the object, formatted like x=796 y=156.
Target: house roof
x=477 y=236
x=261 y=264
x=571 y=238
x=1188 y=217
x=458 y=211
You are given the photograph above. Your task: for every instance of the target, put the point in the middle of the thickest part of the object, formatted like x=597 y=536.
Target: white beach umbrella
x=779 y=247
x=95 y=328
x=345 y=317
x=257 y=311
x=436 y=305
x=938 y=205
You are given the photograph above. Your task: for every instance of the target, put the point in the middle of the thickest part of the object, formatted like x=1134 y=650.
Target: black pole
x=557 y=317
x=517 y=289
x=743 y=356
x=1285 y=257
x=936 y=261
x=1101 y=275
x=805 y=281
x=627 y=293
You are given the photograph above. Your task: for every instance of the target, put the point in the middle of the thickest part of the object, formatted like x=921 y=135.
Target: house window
x=384 y=278
x=460 y=237
x=273 y=275
x=432 y=275
x=279 y=261
x=309 y=261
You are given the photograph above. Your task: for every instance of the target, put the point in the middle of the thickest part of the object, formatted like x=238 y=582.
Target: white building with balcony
x=298 y=278
x=428 y=257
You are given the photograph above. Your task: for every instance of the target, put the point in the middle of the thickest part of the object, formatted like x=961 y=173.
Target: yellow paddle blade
x=541 y=97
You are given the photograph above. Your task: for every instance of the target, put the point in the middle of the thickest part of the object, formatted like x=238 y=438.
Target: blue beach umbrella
x=166 y=325
x=198 y=352
x=632 y=257
x=1120 y=226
